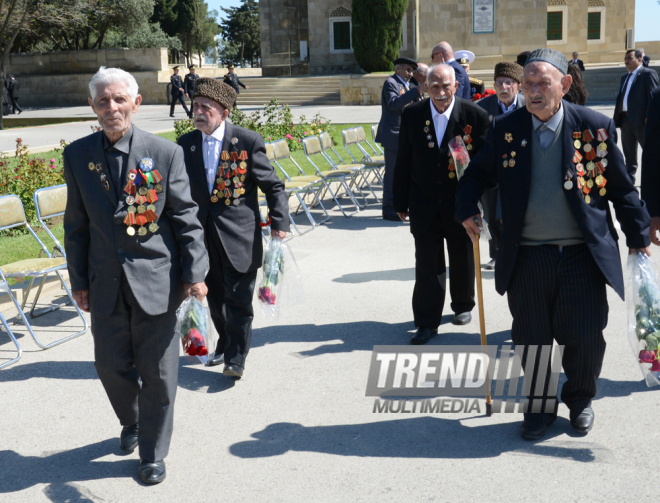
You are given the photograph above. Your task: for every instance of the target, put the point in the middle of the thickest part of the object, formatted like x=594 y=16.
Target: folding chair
x=326 y=147
x=374 y=133
x=12 y=215
x=349 y=137
x=301 y=186
x=5 y=287
x=373 y=156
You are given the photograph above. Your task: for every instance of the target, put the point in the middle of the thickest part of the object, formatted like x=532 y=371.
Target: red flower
x=645 y=356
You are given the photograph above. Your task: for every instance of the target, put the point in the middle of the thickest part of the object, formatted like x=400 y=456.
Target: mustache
x=441 y=98
x=200 y=118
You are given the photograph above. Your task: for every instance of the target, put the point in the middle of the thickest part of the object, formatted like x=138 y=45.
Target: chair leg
x=334 y=196
x=52 y=307
x=366 y=179
x=13 y=338
x=309 y=215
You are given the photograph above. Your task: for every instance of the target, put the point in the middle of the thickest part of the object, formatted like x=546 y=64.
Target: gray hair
x=434 y=67
x=106 y=76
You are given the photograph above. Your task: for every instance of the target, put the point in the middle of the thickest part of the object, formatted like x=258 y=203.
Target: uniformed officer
x=189 y=83
x=232 y=80
x=178 y=92
x=465 y=59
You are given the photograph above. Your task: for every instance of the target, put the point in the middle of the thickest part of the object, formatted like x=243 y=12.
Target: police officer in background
x=189 y=83
x=178 y=92
x=232 y=80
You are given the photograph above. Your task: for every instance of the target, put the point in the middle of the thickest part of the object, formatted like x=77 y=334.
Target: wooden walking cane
x=482 y=319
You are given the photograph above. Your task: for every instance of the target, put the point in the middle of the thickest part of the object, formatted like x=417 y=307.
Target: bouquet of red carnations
x=274 y=290
x=644 y=316
x=192 y=326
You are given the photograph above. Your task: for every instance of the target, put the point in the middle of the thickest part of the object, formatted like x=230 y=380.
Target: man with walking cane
x=558 y=168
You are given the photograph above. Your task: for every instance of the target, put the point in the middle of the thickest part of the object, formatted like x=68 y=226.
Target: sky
x=647 y=14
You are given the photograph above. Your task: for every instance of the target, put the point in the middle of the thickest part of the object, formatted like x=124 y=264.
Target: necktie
x=625 y=84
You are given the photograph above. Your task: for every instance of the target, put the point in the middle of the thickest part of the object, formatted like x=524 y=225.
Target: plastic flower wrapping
x=279 y=284
x=193 y=328
x=644 y=316
x=461 y=161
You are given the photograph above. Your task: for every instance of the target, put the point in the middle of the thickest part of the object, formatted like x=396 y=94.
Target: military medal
x=130 y=231
x=523 y=143
x=587 y=199
x=91 y=166
x=512 y=163
x=426 y=130
x=577 y=144
x=588 y=147
x=452 y=168
x=234 y=141
x=192 y=148
x=579 y=168
x=467 y=138
x=589 y=155
x=577 y=157
x=428 y=123
x=590 y=166
x=140 y=193
x=568 y=184
x=508 y=137
x=431 y=144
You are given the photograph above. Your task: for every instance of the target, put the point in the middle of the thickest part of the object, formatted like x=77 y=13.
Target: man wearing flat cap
x=508 y=79
x=558 y=168
x=177 y=92
x=397 y=93
x=227 y=165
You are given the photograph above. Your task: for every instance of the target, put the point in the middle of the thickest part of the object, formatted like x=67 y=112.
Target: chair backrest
x=359 y=130
x=374 y=131
x=50 y=202
x=312 y=145
x=326 y=141
x=349 y=136
x=270 y=152
x=280 y=149
x=11 y=212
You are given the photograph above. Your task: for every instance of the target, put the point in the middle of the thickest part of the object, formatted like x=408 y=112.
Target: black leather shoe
x=233 y=370
x=152 y=473
x=171 y=115
x=535 y=424
x=216 y=360
x=128 y=440
x=423 y=335
x=490 y=266
x=462 y=319
x=391 y=216
x=584 y=421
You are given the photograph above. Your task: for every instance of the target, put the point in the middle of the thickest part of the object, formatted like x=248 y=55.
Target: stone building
x=301 y=37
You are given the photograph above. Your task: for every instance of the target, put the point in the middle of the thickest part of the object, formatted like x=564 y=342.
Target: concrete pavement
x=298 y=427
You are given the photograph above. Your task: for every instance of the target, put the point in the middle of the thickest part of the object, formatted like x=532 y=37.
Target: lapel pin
x=431 y=144
x=523 y=143
x=234 y=141
x=428 y=123
x=91 y=166
x=146 y=164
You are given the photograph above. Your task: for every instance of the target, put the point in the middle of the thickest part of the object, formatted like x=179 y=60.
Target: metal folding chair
x=327 y=148
x=5 y=288
x=371 y=157
x=374 y=133
x=349 y=137
x=301 y=186
x=12 y=215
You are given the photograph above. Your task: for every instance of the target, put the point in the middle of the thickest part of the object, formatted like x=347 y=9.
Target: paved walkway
x=298 y=427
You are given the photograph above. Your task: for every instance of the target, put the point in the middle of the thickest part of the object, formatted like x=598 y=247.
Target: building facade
x=300 y=37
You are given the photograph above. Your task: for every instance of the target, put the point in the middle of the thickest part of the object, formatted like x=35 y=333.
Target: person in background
x=189 y=83
x=465 y=59
x=419 y=79
x=577 y=61
x=443 y=53
x=650 y=192
x=14 y=93
x=177 y=92
x=645 y=59
x=232 y=80
x=577 y=94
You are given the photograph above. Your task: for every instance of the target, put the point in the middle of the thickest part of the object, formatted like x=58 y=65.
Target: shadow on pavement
x=49 y=370
x=366 y=277
x=423 y=438
x=21 y=472
x=200 y=378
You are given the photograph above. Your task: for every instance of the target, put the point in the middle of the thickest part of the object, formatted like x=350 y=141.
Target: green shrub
x=183 y=126
x=23 y=174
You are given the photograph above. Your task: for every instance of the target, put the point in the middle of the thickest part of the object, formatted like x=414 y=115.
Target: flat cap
x=406 y=61
x=555 y=58
x=215 y=90
x=511 y=70
x=192 y=67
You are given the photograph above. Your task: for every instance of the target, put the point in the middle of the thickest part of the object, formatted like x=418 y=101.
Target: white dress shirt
x=440 y=121
x=211 y=146
x=631 y=79
x=511 y=108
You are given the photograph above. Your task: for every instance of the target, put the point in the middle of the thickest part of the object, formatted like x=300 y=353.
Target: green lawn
x=13 y=249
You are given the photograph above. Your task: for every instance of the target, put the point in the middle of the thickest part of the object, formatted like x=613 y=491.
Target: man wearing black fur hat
x=227 y=164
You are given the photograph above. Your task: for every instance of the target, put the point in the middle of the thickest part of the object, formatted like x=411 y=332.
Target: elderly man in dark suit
x=577 y=61
x=397 y=93
x=424 y=189
x=135 y=250
x=631 y=106
x=651 y=165
x=227 y=164
x=508 y=78
x=443 y=53
x=558 y=248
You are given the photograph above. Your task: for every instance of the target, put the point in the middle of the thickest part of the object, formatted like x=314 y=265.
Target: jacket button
x=118 y=221
x=115 y=280
x=120 y=250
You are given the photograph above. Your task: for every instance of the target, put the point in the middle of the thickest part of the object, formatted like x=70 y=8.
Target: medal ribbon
x=577 y=157
x=602 y=135
x=243 y=156
x=587 y=135
x=234 y=156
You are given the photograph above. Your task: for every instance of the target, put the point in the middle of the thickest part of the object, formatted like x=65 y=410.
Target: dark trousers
x=431 y=271
x=180 y=100
x=137 y=359
x=489 y=203
x=559 y=294
x=630 y=137
x=230 y=301
x=14 y=105
x=388 y=181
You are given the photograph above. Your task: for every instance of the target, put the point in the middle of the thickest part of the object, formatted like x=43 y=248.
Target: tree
x=377 y=33
x=197 y=27
x=242 y=30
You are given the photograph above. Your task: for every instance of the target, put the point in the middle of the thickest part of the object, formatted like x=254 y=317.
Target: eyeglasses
x=505 y=83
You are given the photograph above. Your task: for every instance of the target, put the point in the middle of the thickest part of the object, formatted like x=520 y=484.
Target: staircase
x=291 y=90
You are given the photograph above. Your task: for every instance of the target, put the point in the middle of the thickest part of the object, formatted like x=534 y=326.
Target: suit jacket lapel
x=523 y=153
x=571 y=124
x=136 y=154
x=96 y=156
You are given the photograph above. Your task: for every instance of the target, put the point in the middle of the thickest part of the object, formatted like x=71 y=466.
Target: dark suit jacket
x=238 y=226
x=651 y=156
x=189 y=83
x=490 y=105
x=98 y=249
x=421 y=176
x=645 y=61
x=394 y=98
x=579 y=63
x=645 y=81
x=462 y=79
x=14 y=89
x=595 y=221
x=177 y=83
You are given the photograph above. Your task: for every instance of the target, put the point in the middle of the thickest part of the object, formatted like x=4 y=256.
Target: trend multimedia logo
x=414 y=374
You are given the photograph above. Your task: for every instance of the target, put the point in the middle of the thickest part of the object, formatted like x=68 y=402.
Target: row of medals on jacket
x=142 y=191
x=228 y=174
x=467 y=139
x=592 y=174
